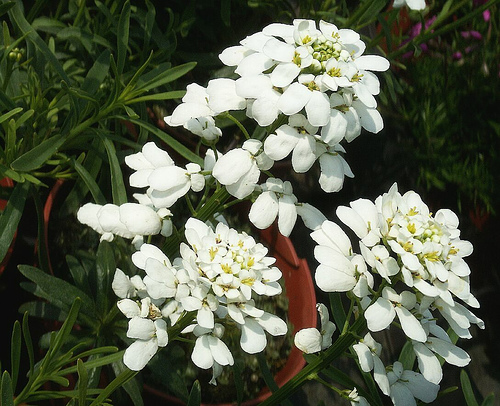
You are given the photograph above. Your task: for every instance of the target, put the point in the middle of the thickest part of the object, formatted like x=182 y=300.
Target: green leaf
x=97 y=73
x=489 y=400
x=29 y=343
x=174 y=94
x=62 y=335
x=82 y=382
x=407 y=356
x=133 y=387
x=58 y=289
x=106 y=267
x=337 y=309
x=36 y=157
x=6 y=116
x=7 y=396
x=162 y=75
x=195 y=394
x=5 y=7
x=78 y=273
x=15 y=353
x=95 y=362
x=89 y=181
x=171 y=142
x=470 y=398
x=119 y=381
x=9 y=219
x=122 y=37
x=17 y=17
x=26 y=116
x=117 y=185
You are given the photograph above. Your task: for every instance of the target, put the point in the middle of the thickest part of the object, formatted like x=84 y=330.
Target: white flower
x=194 y=105
x=368 y=352
x=306 y=94
x=380 y=314
x=204 y=303
x=145 y=161
x=238 y=170
x=204 y=127
x=412 y=4
x=262 y=98
x=126 y=287
x=296 y=137
x=253 y=337
x=147 y=327
x=169 y=183
x=333 y=170
x=406 y=386
x=276 y=200
x=363 y=218
x=209 y=349
x=128 y=220
x=311 y=340
x=357 y=400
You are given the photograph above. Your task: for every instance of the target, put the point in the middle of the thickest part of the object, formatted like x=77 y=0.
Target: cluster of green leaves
x=99 y=329
x=69 y=80
x=55 y=366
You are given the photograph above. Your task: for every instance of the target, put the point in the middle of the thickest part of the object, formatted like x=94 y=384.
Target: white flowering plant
x=181 y=269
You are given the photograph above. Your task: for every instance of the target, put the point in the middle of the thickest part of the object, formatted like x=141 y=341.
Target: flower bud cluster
x=410 y=269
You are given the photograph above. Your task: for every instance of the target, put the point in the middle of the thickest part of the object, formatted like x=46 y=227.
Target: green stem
x=237 y=122
x=311 y=370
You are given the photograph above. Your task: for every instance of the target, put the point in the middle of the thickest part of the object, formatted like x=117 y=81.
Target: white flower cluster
x=318 y=77
x=411 y=268
x=215 y=276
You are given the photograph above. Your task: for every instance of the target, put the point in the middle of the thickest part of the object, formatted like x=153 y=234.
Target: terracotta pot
x=301 y=312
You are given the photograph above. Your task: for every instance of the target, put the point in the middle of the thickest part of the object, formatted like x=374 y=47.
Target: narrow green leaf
x=36 y=157
x=5 y=7
x=106 y=267
x=82 y=382
x=117 y=185
x=174 y=94
x=63 y=334
x=171 y=142
x=119 y=381
x=469 y=396
x=15 y=353
x=162 y=75
x=6 y=116
x=97 y=73
x=122 y=36
x=7 y=396
x=26 y=116
x=195 y=394
x=95 y=363
x=337 y=309
x=149 y=23
x=78 y=273
x=17 y=16
x=133 y=387
x=489 y=400
x=58 y=289
x=28 y=342
x=89 y=181
x=407 y=356
x=9 y=219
